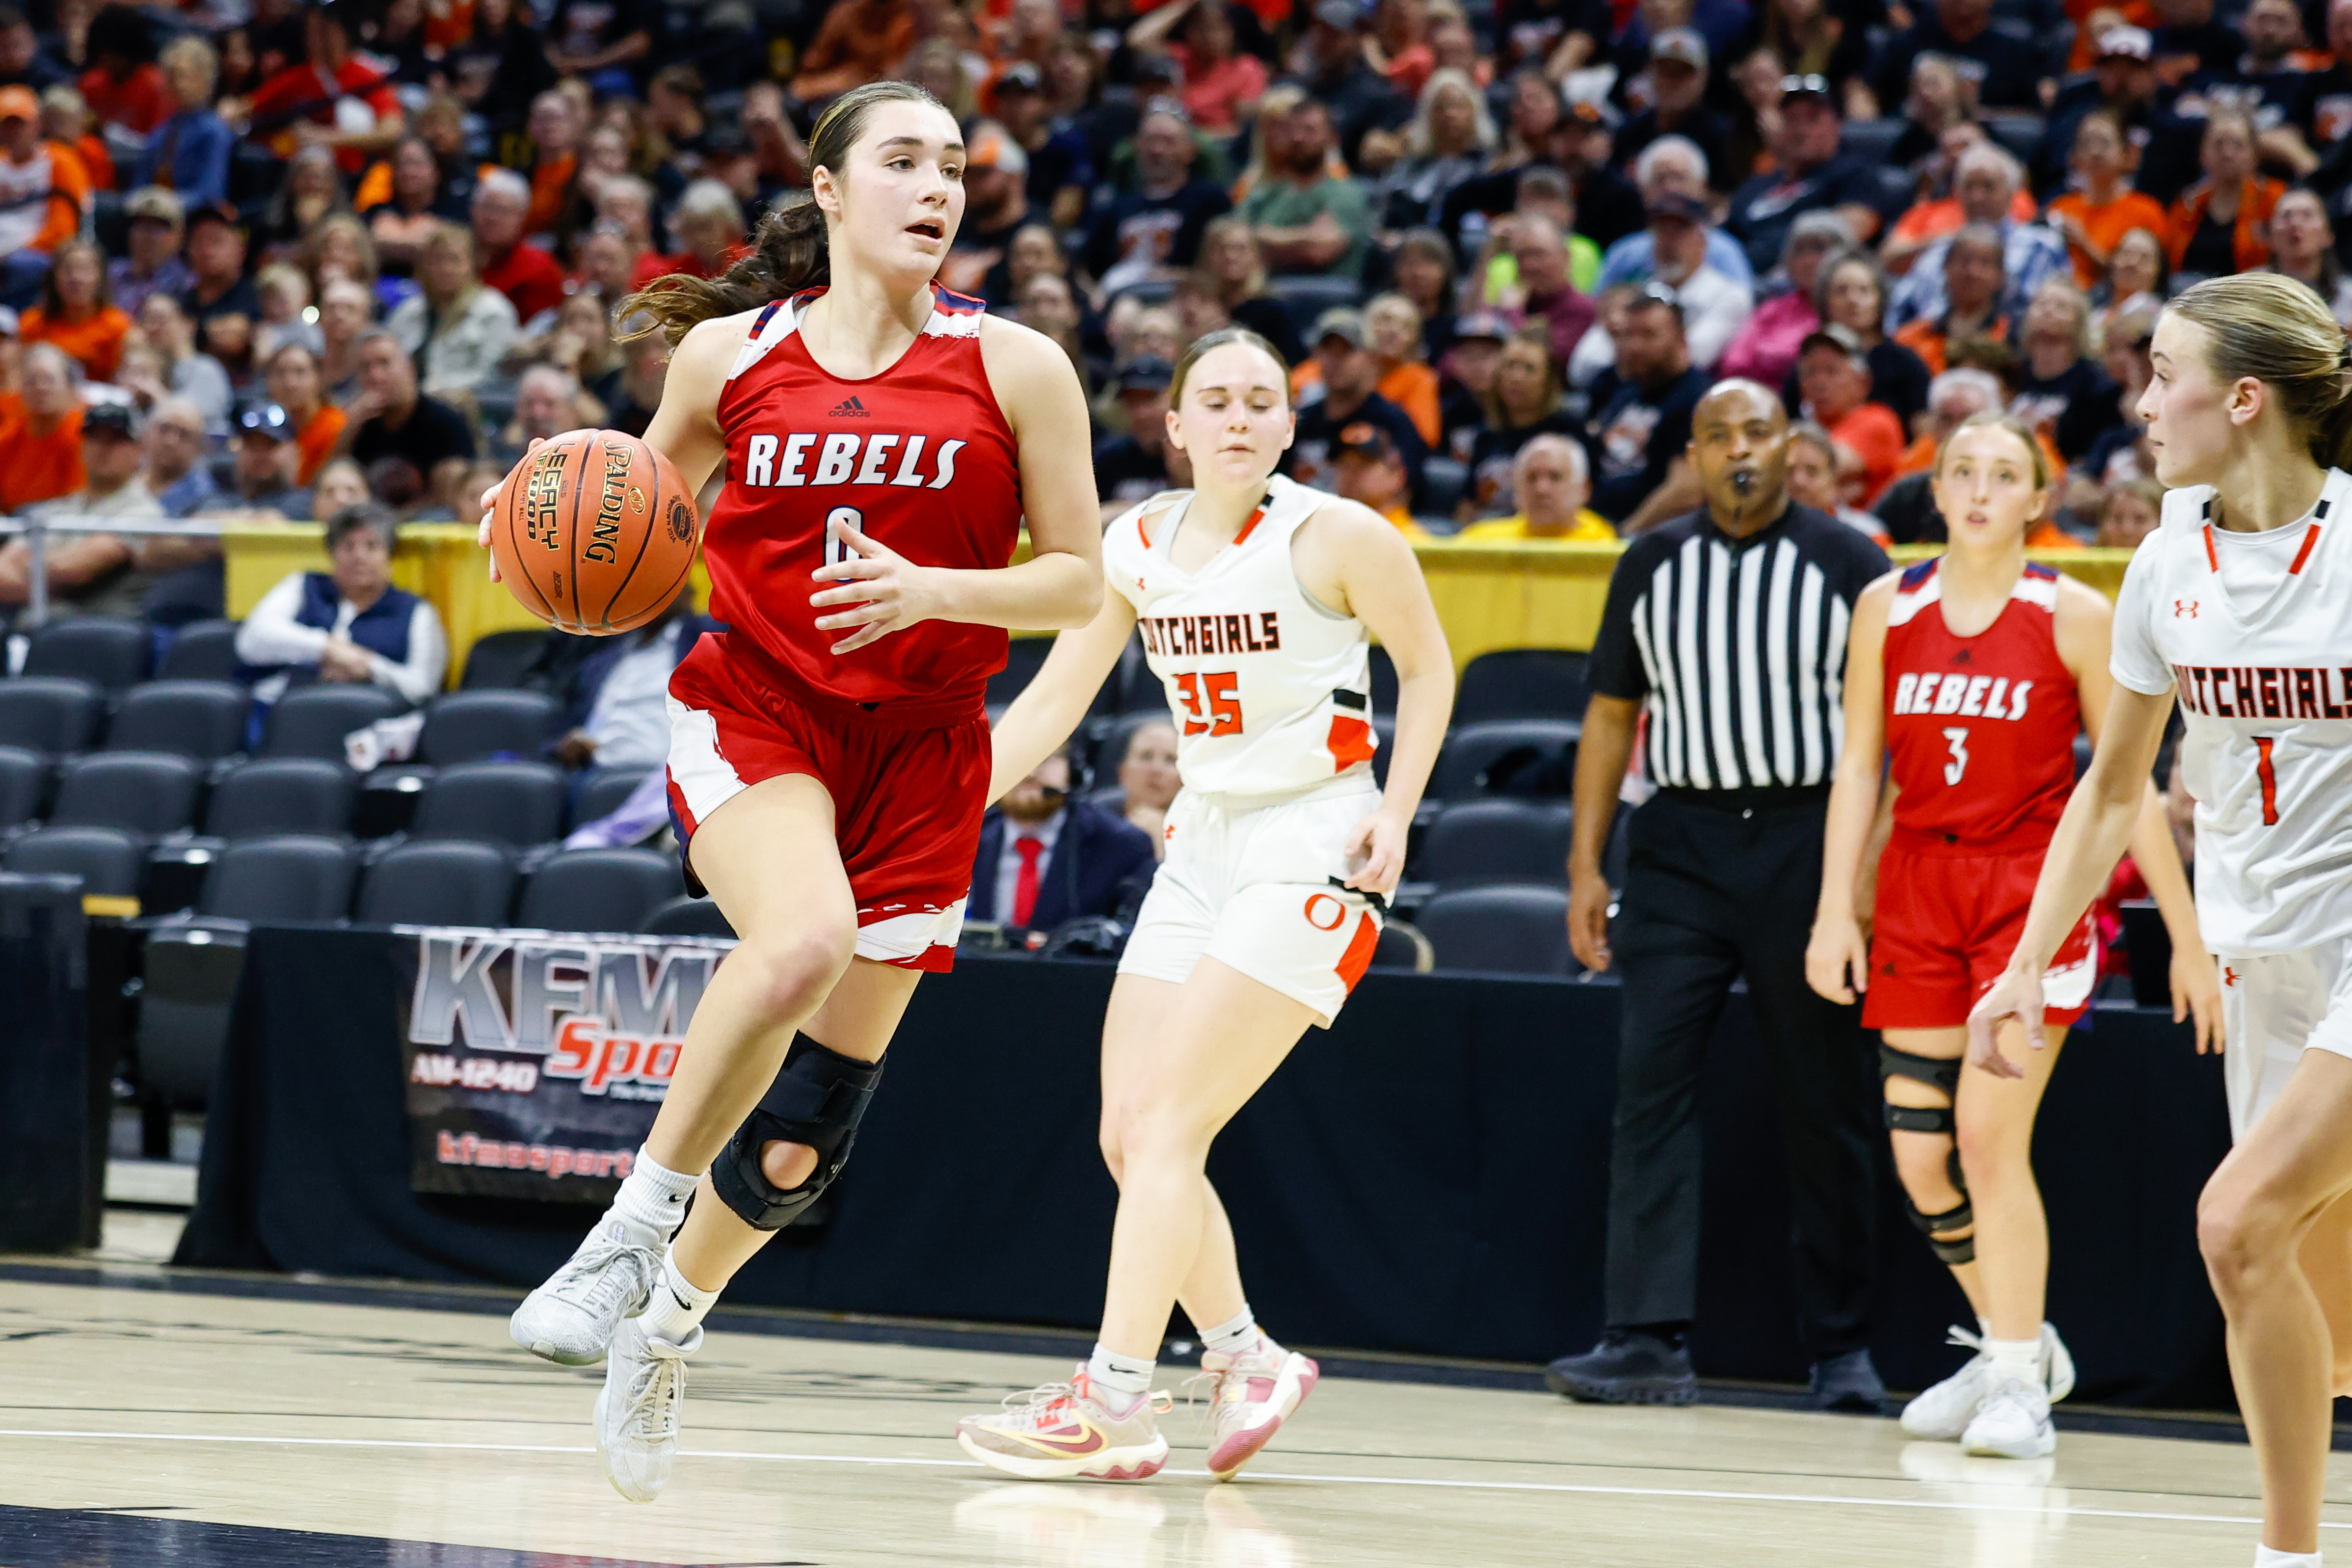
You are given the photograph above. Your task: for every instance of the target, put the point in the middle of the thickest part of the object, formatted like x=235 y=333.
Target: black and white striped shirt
x=1736 y=647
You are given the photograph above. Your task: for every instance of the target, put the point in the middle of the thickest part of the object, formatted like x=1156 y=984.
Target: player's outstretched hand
x=491 y=502
x=2016 y=995
x=1588 y=921
x=1378 y=839
x=883 y=591
x=2196 y=993
x=1837 y=960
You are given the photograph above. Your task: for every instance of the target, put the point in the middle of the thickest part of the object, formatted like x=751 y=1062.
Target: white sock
x=1235 y=1338
x=1119 y=1381
x=676 y=1306
x=2266 y=1557
x=653 y=1196
x=2023 y=1356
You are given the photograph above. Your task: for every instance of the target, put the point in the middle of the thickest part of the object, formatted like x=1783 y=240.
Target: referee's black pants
x=1715 y=891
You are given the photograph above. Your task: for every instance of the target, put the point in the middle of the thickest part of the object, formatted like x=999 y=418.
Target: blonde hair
x=2277 y=331
x=1995 y=419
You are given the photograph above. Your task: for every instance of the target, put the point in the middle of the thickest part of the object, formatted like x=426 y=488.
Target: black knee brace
x=1938 y=1072
x=817 y=1100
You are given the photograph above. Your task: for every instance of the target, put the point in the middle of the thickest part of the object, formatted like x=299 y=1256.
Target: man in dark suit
x=1046 y=858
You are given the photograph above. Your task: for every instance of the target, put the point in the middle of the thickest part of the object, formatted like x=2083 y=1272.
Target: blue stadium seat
x=498 y=661
x=285 y=877
x=53 y=714
x=605 y=794
x=201 y=650
x=472 y=726
x=150 y=793
x=1523 y=682
x=280 y=795
x=108 y=859
x=108 y=651
x=1478 y=843
x=598 y=890
x=23 y=785
x=438 y=882
x=1538 y=754
x=202 y=719
x=688 y=917
x=513 y=803
x=311 y=721
x=1500 y=930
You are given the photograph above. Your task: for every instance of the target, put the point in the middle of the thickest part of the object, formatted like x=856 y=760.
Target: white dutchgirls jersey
x=1271 y=691
x=2255 y=631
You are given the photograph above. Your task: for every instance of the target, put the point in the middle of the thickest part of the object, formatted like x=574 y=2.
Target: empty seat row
x=207 y=720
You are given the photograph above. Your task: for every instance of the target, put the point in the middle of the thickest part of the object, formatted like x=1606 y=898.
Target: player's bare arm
x=1060 y=585
x=2085 y=627
x=1837 y=958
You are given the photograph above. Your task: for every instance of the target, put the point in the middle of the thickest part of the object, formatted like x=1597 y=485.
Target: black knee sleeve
x=817 y=1100
x=1938 y=1072
x=1962 y=1249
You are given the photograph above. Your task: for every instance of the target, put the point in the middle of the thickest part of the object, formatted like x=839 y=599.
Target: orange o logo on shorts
x=1314 y=912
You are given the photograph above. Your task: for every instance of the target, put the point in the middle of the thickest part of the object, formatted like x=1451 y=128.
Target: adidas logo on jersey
x=848 y=408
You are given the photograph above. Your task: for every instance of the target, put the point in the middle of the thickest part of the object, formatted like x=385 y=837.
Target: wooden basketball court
x=154 y=1420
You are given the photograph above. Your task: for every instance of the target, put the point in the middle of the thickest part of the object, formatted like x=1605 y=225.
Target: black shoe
x=1849 y=1383
x=1626 y=1368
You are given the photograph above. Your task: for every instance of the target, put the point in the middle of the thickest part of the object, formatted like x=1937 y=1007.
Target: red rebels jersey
x=918 y=458
x=1980 y=730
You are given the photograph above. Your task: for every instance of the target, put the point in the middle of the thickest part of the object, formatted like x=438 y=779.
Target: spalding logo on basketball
x=595 y=533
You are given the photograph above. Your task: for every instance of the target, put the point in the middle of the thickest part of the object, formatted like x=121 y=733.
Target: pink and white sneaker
x=1255 y=1393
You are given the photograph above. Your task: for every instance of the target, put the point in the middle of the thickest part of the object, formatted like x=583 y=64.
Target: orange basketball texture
x=594 y=533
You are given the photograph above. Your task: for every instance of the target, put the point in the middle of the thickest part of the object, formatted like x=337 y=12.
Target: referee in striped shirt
x=1725 y=631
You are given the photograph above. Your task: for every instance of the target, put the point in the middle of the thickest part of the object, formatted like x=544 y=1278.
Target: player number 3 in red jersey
x=1970 y=676
x=829 y=756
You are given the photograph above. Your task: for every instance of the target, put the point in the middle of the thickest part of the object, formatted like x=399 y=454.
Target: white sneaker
x=637 y=1409
x=572 y=1318
x=1943 y=1413
x=2013 y=1421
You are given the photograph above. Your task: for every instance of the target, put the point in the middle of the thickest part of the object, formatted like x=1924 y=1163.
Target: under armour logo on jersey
x=2228 y=976
x=849 y=409
x=2184 y=608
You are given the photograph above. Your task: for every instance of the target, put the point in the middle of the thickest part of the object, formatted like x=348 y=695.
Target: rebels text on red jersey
x=918 y=458
x=1980 y=730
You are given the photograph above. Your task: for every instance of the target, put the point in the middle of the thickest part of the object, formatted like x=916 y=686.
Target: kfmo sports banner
x=535 y=1060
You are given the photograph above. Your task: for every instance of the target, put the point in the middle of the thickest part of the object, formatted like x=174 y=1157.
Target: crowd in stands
x=262 y=259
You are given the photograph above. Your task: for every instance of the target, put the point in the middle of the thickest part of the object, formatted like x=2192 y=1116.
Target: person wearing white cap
x=1678 y=105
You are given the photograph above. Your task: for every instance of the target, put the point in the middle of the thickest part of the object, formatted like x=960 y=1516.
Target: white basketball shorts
x=2273 y=1007
x=1255 y=890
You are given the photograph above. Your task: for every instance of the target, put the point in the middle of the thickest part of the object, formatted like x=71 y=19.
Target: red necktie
x=1025 y=882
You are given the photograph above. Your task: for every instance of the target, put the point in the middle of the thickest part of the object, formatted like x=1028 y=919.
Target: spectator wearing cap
x=1348 y=394
x=2007 y=71
x=180 y=369
x=48 y=188
x=1061 y=169
x=1222 y=82
x=1813 y=176
x=1986 y=182
x=40 y=451
x=2120 y=62
x=330 y=99
x=526 y=275
x=1641 y=424
x=1334 y=70
x=1366 y=469
x=152 y=263
x=1449 y=139
x=858 y=41
x=393 y=418
x=1135 y=467
x=1714 y=306
x=76 y=312
x=91 y=574
x=1833 y=378
x=189 y=152
x=2096 y=215
x=1678 y=105
x=1551 y=480
x=1307 y=218
x=1672 y=165
x=1465 y=383
x=2220 y=223
x=456 y=329
x=1145 y=232
x=264 y=462
x=1973 y=289
x=221 y=300
x=1765 y=348
x=996 y=208
x=1524 y=402
x=176 y=471
x=347 y=625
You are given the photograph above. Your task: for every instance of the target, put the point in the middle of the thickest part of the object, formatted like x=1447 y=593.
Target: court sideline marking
x=1559 y=1487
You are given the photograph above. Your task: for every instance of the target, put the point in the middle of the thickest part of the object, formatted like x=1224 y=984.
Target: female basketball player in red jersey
x=1253 y=596
x=2235 y=608
x=883 y=441
x=1972 y=674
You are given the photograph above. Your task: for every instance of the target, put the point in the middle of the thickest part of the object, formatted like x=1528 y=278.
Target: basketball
x=594 y=533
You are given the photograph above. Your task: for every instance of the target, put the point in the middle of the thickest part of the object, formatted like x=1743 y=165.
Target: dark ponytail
x=788 y=249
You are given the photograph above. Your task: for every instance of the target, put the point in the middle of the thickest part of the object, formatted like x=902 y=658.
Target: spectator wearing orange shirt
x=1834 y=377
x=2095 y=219
x=1392 y=332
x=2219 y=224
x=1974 y=274
x=526 y=275
x=40 y=453
x=43 y=189
x=858 y=41
x=1925 y=221
x=295 y=386
x=555 y=133
x=76 y=312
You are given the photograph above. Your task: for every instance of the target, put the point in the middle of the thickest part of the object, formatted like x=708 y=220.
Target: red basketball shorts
x=1945 y=927
x=907 y=801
